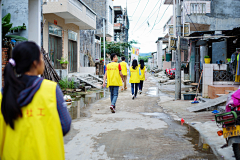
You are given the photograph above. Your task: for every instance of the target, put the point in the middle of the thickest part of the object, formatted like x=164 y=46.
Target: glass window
x=110 y=15
x=72 y=35
x=53 y=29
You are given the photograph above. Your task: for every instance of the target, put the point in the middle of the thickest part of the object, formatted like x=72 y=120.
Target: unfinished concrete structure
x=90 y=41
x=121 y=27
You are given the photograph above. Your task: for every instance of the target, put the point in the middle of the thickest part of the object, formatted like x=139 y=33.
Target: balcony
x=72 y=11
x=117 y=26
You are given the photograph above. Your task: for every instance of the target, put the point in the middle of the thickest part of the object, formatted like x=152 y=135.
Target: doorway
x=55 y=50
x=72 y=56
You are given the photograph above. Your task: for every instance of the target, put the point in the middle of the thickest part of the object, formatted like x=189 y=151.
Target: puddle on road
x=177 y=131
x=153 y=92
x=81 y=102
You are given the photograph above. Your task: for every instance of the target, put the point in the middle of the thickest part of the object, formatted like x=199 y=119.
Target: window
x=110 y=15
x=53 y=29
x=72 y=35
x=198 y=8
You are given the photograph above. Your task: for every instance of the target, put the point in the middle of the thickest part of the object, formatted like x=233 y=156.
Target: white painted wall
x=34 y=18
x=159 y=55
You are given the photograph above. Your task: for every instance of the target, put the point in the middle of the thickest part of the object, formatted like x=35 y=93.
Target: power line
x=160 y=18
x=148 y=16
x=157 y=14
x=136 y=8
x=141 y=14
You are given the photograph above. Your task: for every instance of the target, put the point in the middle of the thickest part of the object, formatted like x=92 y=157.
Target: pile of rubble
x=161 y=77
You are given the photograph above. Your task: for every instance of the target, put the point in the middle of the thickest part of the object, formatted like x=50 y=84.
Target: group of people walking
x=116 y=73
x=33 y=114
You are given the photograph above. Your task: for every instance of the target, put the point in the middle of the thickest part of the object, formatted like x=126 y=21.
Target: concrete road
x=138 y=130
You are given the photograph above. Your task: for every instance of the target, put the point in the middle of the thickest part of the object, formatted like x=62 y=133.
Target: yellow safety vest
x=124 y=68
x=142 y=76
x=113 y=76
x=135 y=77
x=38 y=133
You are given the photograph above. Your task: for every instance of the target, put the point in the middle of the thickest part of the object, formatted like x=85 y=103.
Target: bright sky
x=139 y=28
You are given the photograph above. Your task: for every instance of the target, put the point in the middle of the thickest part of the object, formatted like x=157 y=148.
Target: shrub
x=206 y=56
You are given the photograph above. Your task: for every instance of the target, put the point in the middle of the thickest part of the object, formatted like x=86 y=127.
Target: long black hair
x=134 y=64
x=142 y=65
x=23 y=54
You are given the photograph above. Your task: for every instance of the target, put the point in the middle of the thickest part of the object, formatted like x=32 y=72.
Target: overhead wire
x=160 y=18
x=157 y=14
x=136 y=7
x=141 y=14
x=148 y=18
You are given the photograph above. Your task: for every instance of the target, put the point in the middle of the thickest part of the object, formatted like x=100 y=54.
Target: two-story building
x=62 y=22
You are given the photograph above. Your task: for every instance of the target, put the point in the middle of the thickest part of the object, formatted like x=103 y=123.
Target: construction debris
x=49 y=72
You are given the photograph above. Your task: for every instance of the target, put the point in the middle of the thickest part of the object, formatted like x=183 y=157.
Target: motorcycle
x=230 y=123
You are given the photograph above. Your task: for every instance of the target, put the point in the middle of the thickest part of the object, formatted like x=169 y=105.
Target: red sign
x=55 y=22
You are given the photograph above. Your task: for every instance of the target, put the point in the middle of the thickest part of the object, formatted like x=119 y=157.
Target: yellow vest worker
x=37 y=135
x=113 y=76
x=142 y=76
x=124 y=68
x=135 y=77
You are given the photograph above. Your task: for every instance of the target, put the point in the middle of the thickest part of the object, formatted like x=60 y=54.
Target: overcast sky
x=140 y=30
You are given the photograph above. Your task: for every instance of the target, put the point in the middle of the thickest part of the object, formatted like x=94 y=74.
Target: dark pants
x=113 y=94
x=136 y=88
x=141 y=85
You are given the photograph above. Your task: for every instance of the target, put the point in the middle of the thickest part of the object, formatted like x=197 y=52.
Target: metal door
x=72 y=56
x=55 y=51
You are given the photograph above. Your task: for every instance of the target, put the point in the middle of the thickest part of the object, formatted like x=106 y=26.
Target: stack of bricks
x=4 y=61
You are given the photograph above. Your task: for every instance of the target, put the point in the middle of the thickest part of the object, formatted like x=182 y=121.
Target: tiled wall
x=208 y=77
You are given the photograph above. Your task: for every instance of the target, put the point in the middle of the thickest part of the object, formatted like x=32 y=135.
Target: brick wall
x=4 y=61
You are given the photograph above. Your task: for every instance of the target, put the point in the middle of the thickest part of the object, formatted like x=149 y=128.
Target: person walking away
x=114 y=78
x=124 y=67
x=142 y=76
x=33 y=117
x=135 y=73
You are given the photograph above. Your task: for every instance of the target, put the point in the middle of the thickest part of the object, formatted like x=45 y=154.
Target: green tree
x=145 y=59
x=7 y=27
x=115 y=47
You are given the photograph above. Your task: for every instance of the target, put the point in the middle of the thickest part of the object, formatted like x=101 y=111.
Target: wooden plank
x=208 y=104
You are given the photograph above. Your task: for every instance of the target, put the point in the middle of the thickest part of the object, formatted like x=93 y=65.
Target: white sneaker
x=133 y=97
x=112 y=109
x=140 y=91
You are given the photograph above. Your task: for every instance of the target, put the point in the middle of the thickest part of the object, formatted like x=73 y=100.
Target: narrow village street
x=138 y=130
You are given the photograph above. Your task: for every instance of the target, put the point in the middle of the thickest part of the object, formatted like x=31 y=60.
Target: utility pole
x=178 y=53
x=104 y=50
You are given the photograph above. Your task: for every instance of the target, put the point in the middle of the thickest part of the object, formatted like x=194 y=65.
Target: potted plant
x=207 y=59
x=64 y=62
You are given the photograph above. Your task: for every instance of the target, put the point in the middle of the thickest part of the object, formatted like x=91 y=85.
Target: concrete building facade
x=62 y=22
x=90 y=43
x=31 y=11
x=121 y=27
